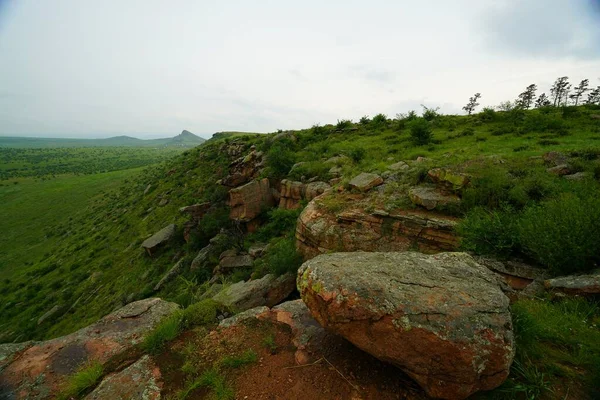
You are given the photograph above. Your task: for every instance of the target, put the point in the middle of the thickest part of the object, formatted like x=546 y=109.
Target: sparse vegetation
x=86 y=377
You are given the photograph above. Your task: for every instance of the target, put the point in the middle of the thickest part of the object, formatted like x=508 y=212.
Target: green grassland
x=90 y=261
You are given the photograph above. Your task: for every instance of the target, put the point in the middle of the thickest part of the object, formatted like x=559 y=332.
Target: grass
x=248 y=357
x=269 y=343
x=166 y=330
x=84 y=379
x=211 y=379
x=558 y=349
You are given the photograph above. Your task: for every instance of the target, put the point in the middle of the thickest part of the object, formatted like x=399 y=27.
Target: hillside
x=519 y=187
x=184 y=139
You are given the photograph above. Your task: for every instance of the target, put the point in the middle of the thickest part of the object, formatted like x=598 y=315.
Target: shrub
x=282 y=257
x=430 y=114
x=468 y=132
x=365 y=120
x=380 y=120
x=357 y=154
x=85 y=378
x=280 y=159
x=166 y=330
x=563 y=233
x=343 y=124
x=280 y=222
x=420 y=131
x=488 y=114
x=202 y=313
x=489 y=232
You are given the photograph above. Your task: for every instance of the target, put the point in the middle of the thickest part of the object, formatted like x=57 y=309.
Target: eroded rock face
x=440 y=318
x=266 y=291
x=36 y=370
x=290 y=194
x=159 y=238
x=321 y=231
x=141 y=380
x=249 y=200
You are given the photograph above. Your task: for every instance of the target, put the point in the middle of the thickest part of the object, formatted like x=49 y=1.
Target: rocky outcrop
x=244 y=169
x=575 y=284
x=231 y=259
x=365 y=181
x=141 y=380
x=440 y=318
x=266 y=291
x=431 y=198
x=315 y=189
x=159 y=238
x=36 y=369
x=320 y=230
x=249 y=200
x=202 y=258
x=516 y=274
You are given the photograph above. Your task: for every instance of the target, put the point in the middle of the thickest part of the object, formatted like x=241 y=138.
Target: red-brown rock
x=249 y=200
x=442 y=318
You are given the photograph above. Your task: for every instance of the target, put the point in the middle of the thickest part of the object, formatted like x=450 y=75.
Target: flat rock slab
x=141 y=380
x=575 y=284
x=36 y=370
x=365 y=181
x=442 y=319
x=160 y=237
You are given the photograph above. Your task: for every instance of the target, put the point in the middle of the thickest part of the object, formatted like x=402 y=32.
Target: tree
x=526 y=98
x=580 y=90
x=559 y=89
x=505 y=106
x=542 y=101
x=594 y=96
x=472 y=104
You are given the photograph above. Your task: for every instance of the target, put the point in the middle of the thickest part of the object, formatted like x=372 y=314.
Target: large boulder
x=159 y=238
x=266 y=291
x=35 y=370
x=440 y=318
x=320 y=230
x=230 y=259
x=141 y=380
x=249 y=200
x=575 y=284
x=315 y=189
x=365 y=181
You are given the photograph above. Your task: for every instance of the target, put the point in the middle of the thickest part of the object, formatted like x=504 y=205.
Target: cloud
x=544 y=28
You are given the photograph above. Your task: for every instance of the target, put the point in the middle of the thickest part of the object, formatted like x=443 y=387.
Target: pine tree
x=580 y=90
x=525 y=99
x=559 y=89
x=542 y=101
x=472 y=104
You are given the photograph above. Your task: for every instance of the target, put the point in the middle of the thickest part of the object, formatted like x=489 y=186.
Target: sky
x=149 y=68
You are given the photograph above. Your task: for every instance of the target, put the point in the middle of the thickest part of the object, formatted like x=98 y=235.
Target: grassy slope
x=99 y=261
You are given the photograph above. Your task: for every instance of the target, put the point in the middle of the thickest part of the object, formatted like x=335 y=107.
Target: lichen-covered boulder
x=442 y=318
x=448 y=179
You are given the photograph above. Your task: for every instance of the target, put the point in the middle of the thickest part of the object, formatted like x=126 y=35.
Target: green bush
x=202 y=313
x=365 y=120
x=420 y=131
x=380 y=120
x=488 y=114
x=166 y=330
x=563 y=233
x=283 y=257
x=343 y=124
x=280 y=159
x=357 y=154
x=489 y=232
x=280 y=222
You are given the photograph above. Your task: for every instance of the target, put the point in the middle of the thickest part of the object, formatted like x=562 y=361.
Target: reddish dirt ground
x=338 y=370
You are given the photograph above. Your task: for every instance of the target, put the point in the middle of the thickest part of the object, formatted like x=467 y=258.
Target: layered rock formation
x=442 y=318
x=320 y=230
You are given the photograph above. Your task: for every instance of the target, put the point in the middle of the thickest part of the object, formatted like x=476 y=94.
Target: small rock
x=159 y=238
x=147 y=189
x=399 y=166
x=575 y=284
x=163 y=202
x=266 y=291
x=560 y=170
x=449 y=180
x=173 y=272
x=236 y=261
x=579 y=176
x=49 y=314
x=555 y=158
x=430 y=198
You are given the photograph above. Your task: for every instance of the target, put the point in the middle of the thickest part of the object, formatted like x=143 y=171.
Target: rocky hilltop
x=295 y=265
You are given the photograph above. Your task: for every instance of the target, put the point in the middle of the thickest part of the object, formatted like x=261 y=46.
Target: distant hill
x=184 y=139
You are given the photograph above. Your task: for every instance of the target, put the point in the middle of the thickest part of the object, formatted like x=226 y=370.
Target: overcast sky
x=86 y=68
